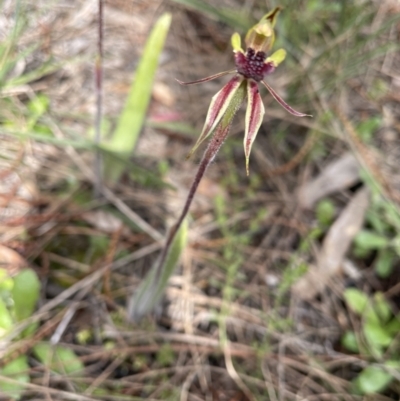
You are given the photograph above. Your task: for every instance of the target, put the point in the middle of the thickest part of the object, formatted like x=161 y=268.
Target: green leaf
x=58 y=358
x=376 y=335
x=371 y=240
x=382 y=307
x=166 y=355
x=25 y=293
x=384 y=263
x=132 y=118
x=393 y=327
x=366 y=129
x=16 y=370
x=349 y=341
x=152 y=288
x=6 y=321
x=372 y=379
x=356 y=300
x=325 y=212
x=6 y=282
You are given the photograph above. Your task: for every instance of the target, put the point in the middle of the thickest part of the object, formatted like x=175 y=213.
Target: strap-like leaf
x=254 y=116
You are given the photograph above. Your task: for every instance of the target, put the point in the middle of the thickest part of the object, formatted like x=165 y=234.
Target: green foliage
x=59 y=359
x=382 y=235
x=25 y=294
x=166 y=355
x=132 y=117
x=366 y=129
x=325 y=212
x=17 y=370
x=372 y=379
x=379 y=331
x=152 y=288
x=18 y=297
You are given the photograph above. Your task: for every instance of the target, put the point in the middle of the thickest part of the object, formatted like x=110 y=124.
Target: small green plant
x=18 y=298
x=381 y=238
x=377 y=340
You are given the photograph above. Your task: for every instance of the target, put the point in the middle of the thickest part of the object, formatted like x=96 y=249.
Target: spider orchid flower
x=252 y=66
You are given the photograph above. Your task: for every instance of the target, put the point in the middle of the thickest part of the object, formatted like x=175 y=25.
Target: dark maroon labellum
x=252 y=65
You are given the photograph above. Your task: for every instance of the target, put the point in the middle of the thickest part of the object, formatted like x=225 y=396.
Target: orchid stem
x=99 y=102
x=208 y=156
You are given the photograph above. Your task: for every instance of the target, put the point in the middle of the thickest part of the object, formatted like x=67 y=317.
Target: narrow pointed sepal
x=218 y=106
x=283 y=103
x=206 y=79
x=254 y=116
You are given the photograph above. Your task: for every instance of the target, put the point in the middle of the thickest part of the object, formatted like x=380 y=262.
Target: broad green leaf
x=349 y=341
x=382 y=307
x=376 y=335
x=16 y=370
x=393 y=327
x=371 y=240
x=384 y=263
x=372 y=379
x=152 y=288
x=356 y=300
x=133 y=115
x=6 y=282
x=58 y=358
x=25 y=293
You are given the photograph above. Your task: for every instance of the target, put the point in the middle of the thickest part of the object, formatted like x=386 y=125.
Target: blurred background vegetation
x=288 y=285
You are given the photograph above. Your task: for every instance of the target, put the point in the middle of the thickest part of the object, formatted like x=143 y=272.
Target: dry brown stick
x=109 y=259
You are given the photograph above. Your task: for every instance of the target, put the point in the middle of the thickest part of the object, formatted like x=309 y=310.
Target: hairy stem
x=99 y=100
x=208 y=156
x=152 y=287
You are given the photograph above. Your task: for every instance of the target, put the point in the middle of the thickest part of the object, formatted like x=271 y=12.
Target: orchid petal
x=218 y=106
x=254 y=116
x=277 y=57
x=283 y=103
x=206 y=79
x=236 y=43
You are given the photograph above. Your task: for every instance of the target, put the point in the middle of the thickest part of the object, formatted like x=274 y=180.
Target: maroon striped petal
x=219 y=104
x=254 y=116
x=283 y=103
x=210 y=78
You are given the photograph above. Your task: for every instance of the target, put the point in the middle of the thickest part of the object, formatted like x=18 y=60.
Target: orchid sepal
x=254 y=117
x=218 y=106
x=206 y=79
x=291 y=110
x=261 y=36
